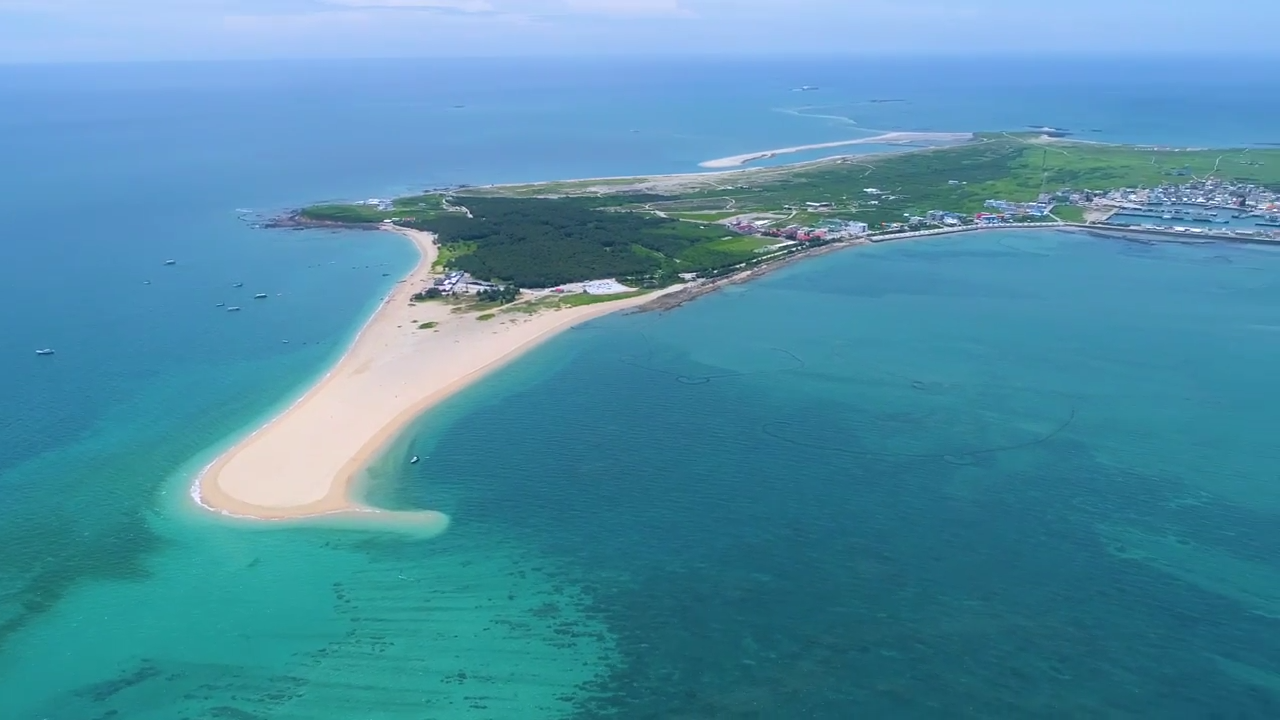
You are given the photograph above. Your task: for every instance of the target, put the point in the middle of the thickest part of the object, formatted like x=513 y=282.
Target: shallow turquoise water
x=1018 y=474
x=860 y=525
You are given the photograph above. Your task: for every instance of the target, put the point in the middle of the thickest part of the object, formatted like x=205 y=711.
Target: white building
x=604 y=287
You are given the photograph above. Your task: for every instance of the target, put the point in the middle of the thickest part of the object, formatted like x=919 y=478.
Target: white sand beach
x=302 y=463
x=886 y=138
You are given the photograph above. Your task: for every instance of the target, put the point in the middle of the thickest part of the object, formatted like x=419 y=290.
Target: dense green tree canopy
x=544 y=242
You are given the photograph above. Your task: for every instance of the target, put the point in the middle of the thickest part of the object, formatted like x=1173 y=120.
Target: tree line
x=540 y=242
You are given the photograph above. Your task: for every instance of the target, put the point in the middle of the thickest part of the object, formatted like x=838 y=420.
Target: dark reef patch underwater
x=932 y=479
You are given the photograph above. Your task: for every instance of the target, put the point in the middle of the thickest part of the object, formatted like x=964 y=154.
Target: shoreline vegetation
x=666 y=239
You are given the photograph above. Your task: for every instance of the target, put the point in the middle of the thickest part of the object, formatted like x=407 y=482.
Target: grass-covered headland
x=651 y=229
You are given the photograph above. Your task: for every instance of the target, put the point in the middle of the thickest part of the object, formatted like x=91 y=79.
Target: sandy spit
x=303 y=462
x=886 y=138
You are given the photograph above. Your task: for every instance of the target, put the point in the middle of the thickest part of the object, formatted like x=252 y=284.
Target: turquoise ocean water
x=1018 y=475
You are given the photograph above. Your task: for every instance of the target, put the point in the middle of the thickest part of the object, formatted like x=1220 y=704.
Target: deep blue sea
x=1020 y=475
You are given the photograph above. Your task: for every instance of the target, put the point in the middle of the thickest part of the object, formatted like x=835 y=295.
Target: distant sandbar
x=886 y=138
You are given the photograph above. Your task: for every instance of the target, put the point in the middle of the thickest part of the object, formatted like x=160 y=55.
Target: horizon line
x=932 y=54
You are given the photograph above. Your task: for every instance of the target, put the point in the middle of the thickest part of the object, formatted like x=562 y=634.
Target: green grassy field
x=580 y=299
x=352 y=214
x=590 y=231
x=741 y=244
x=450 y=251
x=529 y=307
x=998 y=166
x=1069 y=213
x=709 y=216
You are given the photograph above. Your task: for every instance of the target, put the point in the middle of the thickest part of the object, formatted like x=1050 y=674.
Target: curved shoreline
x=892 y=137
x=307 y=460
x=381 y=384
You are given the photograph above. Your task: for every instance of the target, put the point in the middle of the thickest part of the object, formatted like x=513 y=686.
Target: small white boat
x=233 y=308
x=170 y=262
x=413 y=460
x=259 y=296
x=49 y=351
x=220 y=305
x=237 y=285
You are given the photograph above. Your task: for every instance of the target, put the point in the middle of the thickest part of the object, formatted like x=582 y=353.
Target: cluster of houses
x=798 y=233
x=1040 y=208
x=1244 y=199
x=944 y=218
x=1210 y=193
x=381 y=205
x=1003 y=211
x=1228 y=208
x=826 y=230
x=457 y=280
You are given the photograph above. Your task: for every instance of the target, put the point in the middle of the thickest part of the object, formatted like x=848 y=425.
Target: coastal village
x=1216 y=208
x=1210 y=207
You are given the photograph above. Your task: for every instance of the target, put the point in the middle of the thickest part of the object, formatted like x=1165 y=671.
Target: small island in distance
x=1052 y=132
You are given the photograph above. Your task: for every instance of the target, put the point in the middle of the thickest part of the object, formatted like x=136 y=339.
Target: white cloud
x=546 y=8
x=295 y=22
x=466 y=6
x=651 y=8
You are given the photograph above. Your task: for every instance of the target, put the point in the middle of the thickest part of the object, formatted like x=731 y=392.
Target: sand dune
x=893 y=137
x=302 y=463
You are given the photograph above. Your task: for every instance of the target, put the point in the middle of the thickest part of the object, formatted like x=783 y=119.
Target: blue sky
x=62 y=30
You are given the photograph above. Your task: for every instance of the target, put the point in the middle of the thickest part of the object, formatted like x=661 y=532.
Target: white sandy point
x=303 y=462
